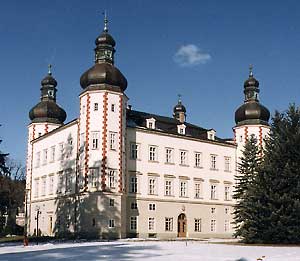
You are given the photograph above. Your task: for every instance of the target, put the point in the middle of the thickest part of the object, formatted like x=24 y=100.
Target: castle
x=115 y=172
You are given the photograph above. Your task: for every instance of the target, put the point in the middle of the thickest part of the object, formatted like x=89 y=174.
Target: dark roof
x=137 y=119
x=103 y=73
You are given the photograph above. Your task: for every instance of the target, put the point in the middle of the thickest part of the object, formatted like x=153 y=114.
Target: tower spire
x=179 y=98
x=49 y=69
x=105 y=22
x=251 y=70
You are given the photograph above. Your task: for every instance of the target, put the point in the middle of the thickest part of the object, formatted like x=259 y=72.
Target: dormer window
x=181 y=129
x=211 y=134
x=151 y=123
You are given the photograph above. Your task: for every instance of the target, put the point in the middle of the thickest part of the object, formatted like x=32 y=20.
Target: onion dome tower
x=103 y=104
x=104 y=72
x=252 y=117
x=47 y=110
x=252 y=112
x=179 y=111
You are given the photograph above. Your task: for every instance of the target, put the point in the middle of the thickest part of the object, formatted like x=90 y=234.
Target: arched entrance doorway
x=182 y=225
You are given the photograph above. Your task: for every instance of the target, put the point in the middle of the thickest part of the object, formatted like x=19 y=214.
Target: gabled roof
x=137 y=119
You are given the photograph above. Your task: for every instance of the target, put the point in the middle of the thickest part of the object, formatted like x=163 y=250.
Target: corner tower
x=251 y=117
x=102 y=129
x=45 y=117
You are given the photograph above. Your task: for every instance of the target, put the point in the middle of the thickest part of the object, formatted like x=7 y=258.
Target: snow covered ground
x=147 y=250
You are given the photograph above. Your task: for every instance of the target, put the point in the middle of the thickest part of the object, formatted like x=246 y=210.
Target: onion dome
x=252 y=111
x=105 y=38
x=47 y=109
x=179 y=111
x=179 y=107
x=104 y=74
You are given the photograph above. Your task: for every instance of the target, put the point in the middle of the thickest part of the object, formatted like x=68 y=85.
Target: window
x=36 y=187
x=45 y=156
x=133 y=223
x=95 y=140
x=134 y=150
x=169 y=155
x=183 y=188
x=95 y=106
x=226 y=225
x=227 y=193
x=152 y=153
x=152 y=206
x=111 y=202
x=211 y=134
x=134 y=205
x=51 y=184
x=61 y=151
x=197 y=225
x=183 y=157
x=198 y=190
x=83 y=109
x=111 y=223
x=112 y=178
x=241 y=138
x=150 y=123
x=213 y=191
x=152 y=186
x=133 y=184
x=112 y=107
x=112 y=140
x=81 y=179
x=226 y=210
x=69 y=179
x=168 y=224
x=197 y=159
x=43 y=188
x=38 y=159
x=168 y=187
x=82 y=141
x=213 y=161
x=60 y=182
x=69 y=147
x=151 y=223
x=52 y=154
x=213 y=225
x=94 y=177
x=227 y=163
x=181 y=129
x=213 y=210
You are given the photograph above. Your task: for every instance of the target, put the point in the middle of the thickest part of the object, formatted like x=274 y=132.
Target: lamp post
x=38 y=213
x=25 y=240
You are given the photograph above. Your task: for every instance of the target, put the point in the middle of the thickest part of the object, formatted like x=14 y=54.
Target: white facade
x=114 y=172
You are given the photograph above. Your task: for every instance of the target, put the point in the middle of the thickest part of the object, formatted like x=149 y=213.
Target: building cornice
x=162 y=133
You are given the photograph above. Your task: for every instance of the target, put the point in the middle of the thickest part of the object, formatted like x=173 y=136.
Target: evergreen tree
x=247 y=170
x=278 y=183
x=272 y=208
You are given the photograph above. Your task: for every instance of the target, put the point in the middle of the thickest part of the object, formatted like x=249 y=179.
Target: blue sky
x=200 y=49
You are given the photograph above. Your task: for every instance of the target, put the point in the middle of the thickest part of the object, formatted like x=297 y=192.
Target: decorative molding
x=86 y=151
x=104 y=141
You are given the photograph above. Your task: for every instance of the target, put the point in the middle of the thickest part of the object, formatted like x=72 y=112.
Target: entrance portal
x=182 y=224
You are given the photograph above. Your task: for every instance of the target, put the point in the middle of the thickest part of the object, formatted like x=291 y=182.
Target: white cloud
x=190 y=55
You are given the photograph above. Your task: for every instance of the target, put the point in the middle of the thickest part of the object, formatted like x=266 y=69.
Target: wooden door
x=182 y=225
